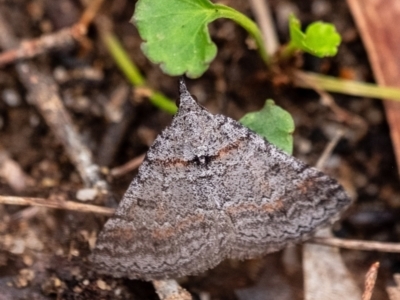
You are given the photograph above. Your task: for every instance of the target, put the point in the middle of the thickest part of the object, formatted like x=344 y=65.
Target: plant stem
x=163 y=102
x=122 y=59
x=251 y=27
x=349 y=87
x=132 y=73
x=288 y=51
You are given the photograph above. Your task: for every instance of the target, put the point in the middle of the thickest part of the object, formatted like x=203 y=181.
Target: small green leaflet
x=320 y=39
x=272 y=123
x=175 y=34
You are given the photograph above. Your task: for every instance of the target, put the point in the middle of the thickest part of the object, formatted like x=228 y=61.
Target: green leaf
x=272 y=123
x=176 y=34
x=296 y=35
x=320 y=39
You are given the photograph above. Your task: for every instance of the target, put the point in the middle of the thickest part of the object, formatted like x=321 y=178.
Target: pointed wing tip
x=182 y=87
x=186 y=100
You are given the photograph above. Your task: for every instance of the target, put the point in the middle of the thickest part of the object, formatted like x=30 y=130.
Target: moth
x=211 y=189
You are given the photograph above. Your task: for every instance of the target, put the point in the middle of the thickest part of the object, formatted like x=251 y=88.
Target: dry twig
x=370 y=279
x=328 y=150
x=128 y=167
x=263 y=17
x=327 y=100
x=119 y=113
x=65 y=205
x=357 y=244
x=170 y=290
x=63 y=39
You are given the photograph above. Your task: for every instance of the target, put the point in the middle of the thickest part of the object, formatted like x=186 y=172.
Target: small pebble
x=74 y=252
x=86 y=194
x=28 y=260
x=18 y=246
x=11 y=97
x=321 y=8
x=101 y=284
x=117 y=291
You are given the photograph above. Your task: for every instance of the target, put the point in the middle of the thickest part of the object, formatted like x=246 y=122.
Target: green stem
x=361 y=89
x=247 y=24
x=163 y=102
x=123 y=60
x=132 y=73
x=288 y=51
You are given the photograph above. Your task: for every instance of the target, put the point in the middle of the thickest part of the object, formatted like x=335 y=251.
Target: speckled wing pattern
x=211 y=189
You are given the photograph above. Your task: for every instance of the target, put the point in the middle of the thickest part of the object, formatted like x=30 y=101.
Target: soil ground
x=43 y=252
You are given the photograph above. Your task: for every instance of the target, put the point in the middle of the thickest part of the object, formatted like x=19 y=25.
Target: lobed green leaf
x=273 y=123
x=175 y=34
x=320 y=39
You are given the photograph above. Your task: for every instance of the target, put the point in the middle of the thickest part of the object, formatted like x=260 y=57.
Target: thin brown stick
x=370 y=279
x=44 y=95
x=90 y=12
x=328 y=149
x=62 y=39
x=170 y=290
x=128 y=167
x=48 y=203
x=119 y=113
x=357 y=244
x=342 y=115
x=262 y=14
